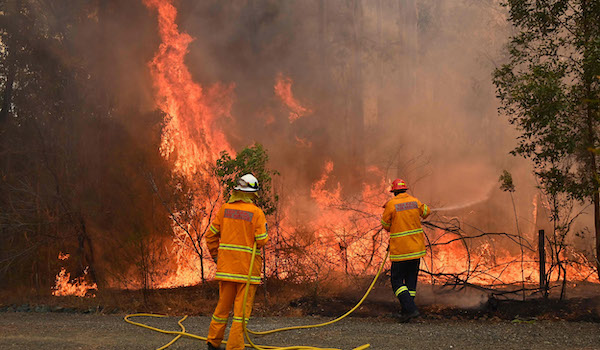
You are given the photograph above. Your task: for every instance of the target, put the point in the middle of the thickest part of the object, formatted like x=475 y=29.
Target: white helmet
x=247 y=183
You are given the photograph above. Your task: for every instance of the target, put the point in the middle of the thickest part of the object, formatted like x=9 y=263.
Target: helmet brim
x=398 y=189
x=246 y=189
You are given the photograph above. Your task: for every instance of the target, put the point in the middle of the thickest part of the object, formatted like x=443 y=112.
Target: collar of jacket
x=399 y=196
x=246 y=197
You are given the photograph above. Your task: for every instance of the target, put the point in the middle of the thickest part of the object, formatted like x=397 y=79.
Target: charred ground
x=282 y=299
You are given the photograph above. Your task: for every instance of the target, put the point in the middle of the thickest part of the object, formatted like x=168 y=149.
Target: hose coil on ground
x=247 y=332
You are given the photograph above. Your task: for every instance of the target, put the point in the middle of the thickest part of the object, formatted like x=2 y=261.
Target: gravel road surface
x=29 y=330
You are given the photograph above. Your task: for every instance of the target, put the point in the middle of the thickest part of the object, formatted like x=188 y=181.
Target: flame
x=190 y=137
x=342 y=234
x=78 y=287
x=346 y=226
x=62 y=256
x=326 y=198
x=494 y=265
x=304 y=143
x=283 y=90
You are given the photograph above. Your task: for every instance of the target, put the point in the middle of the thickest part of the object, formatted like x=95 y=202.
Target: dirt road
x=28 y=330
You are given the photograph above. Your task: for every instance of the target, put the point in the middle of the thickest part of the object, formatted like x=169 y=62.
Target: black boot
x=408 y=305
x=211 y=347
x=406 y=317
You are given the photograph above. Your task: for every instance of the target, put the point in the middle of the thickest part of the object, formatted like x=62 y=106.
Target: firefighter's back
x=404 y=213
x=242 y=224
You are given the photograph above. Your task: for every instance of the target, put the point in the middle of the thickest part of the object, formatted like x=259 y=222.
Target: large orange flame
x=343 y=234
x=190 y=135
x=190 y=138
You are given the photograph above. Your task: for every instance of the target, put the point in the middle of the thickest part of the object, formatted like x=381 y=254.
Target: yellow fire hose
x=183 y=332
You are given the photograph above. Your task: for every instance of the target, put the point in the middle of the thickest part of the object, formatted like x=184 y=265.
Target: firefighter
x=231 y=236
x=402 y=218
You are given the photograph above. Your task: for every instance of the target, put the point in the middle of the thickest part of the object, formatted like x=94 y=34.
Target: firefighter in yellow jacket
x=402 y=218
x=236 y=227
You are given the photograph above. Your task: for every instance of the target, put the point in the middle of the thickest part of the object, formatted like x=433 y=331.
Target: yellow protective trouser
x=230 y=294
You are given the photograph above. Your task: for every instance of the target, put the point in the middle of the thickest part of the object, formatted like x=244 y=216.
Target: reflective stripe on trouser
x=230 y=294
x=404 y=282
x=412 y=293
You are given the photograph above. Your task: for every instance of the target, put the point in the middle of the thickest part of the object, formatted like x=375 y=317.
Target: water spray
x=464 y=205
x=459 y=206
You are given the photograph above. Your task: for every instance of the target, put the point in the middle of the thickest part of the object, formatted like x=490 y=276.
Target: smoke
x=466 y=298
x=401 y=85
x=346 y=94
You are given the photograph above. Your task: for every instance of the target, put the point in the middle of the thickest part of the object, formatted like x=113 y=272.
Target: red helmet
x=398 y=185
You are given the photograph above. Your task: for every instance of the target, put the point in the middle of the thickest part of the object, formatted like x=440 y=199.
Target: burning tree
x=72 y=158
x=94 y=163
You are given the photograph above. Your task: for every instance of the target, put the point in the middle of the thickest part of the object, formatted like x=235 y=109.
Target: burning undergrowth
x=326 y=230
x=344 y=96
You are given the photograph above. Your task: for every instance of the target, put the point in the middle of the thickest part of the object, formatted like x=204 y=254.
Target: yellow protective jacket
x=402 y=218
x=230 y=239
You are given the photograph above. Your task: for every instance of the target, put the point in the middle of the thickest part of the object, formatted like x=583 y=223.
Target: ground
x=453 y=319
x=51 y=330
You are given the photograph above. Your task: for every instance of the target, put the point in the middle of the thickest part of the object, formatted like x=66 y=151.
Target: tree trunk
x=379 y=81
x=202 y=278
x=323 y=50
x=542 y=261
x=589 y=68
x=86 y=253
x=354 y=111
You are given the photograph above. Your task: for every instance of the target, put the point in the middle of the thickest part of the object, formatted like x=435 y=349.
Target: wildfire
x=487 y=265
x=78 y=287
x=283 y=89
x=190 y=137
x=320 y=194
x=349 y=230
x=344 y=234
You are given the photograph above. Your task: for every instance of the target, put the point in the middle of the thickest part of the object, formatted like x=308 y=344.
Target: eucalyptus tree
x=549 y=89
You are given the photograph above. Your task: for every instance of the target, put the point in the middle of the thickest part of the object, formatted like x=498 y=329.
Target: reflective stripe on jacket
x=402 y=218
x=230 y=239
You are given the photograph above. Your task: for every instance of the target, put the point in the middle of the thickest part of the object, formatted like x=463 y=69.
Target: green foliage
x=506 y=182
x=549 y=90
x=253 y=160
